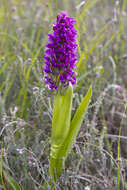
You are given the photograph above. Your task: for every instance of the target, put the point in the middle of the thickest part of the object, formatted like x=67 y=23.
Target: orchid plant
x=60 y=77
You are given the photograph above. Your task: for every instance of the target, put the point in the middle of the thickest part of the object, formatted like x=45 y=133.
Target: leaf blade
x=60 y=128
x=76 y=124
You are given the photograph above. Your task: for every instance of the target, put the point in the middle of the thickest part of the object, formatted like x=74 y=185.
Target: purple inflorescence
x=60 y=55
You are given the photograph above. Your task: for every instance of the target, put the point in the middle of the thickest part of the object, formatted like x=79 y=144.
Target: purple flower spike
x=60 y=55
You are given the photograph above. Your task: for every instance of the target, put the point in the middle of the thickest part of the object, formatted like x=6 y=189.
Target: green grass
x=99 y=156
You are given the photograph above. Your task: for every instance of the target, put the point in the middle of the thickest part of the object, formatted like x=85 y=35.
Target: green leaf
x=12 y=184
x=75 y=125
x=5 y=179
x=61 y=120
x=1 y=163
x=5 y=186
x=60 y=151
x=60 y=128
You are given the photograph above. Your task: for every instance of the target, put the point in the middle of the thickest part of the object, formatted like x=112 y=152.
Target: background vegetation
x=98 y=160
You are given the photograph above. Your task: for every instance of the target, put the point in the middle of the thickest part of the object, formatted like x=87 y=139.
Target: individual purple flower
x=60 y=55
